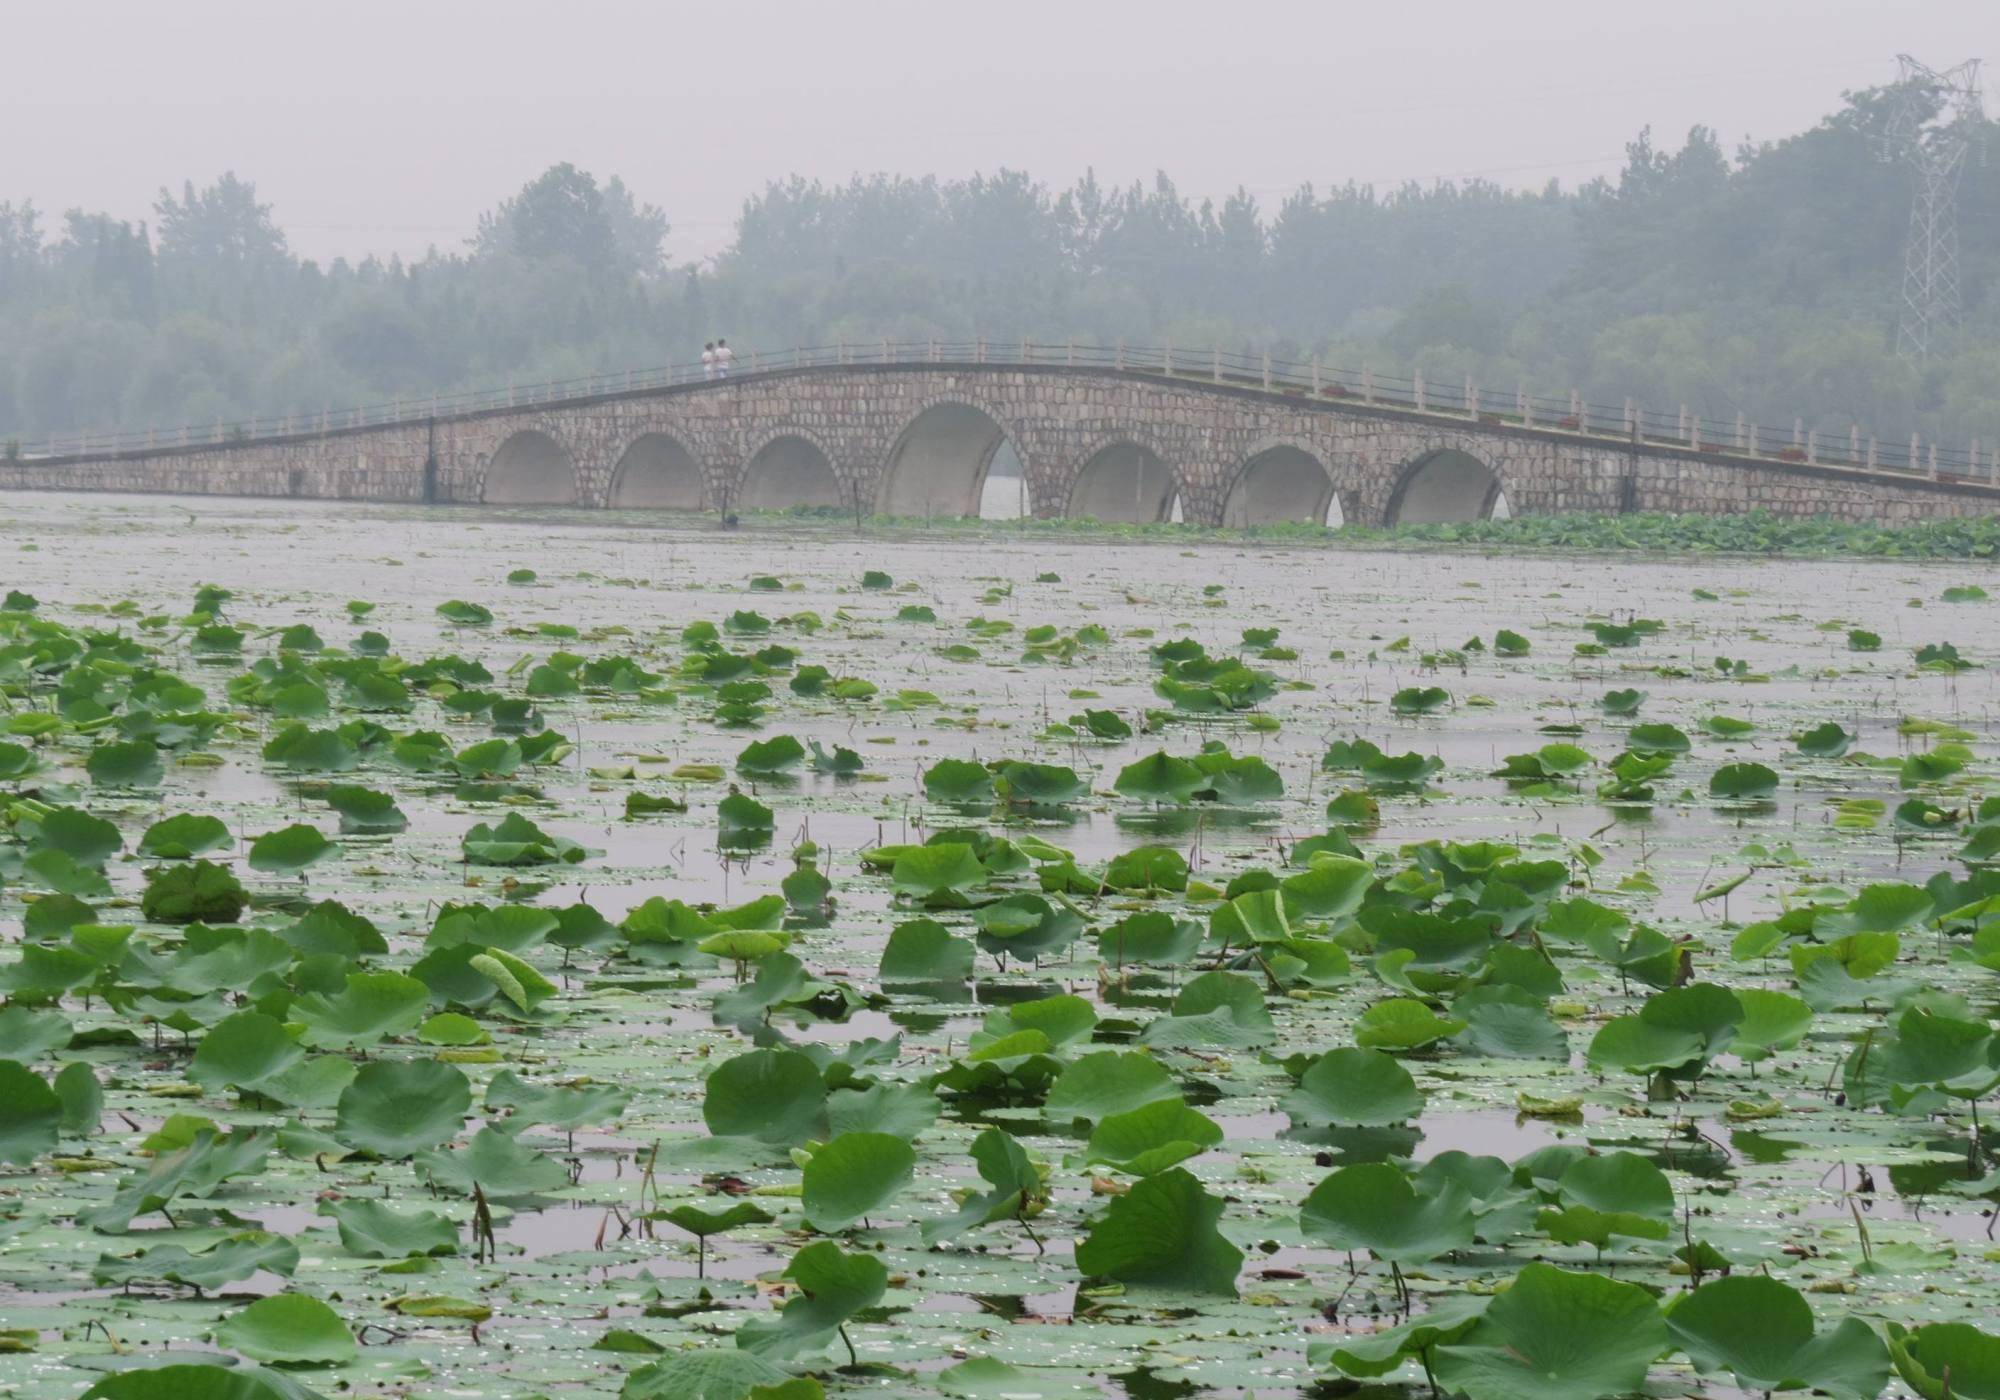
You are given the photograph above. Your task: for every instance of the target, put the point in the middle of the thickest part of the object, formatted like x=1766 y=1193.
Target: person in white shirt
x=708 y=360
x=724 y=357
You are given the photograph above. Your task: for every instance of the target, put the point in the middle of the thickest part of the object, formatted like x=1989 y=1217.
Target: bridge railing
x=1631 y=424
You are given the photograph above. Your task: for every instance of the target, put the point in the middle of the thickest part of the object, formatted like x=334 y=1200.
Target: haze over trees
x=1764 y=281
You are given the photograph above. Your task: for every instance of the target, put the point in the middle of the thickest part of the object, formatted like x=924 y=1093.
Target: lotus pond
x=554 y=954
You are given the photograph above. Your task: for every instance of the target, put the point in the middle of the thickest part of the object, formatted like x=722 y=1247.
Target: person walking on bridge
x=708 y=360
x=724 y=357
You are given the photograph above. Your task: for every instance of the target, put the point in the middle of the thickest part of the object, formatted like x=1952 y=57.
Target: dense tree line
x=1765 y=281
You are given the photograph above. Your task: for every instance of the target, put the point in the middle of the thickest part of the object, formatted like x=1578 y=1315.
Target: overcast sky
x=387 y=125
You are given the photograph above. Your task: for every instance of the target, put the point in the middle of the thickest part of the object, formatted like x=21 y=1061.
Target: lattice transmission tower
x=1932 y=129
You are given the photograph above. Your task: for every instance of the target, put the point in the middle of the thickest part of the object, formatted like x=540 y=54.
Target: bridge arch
x=530 y=468
x=1282 y=481
x=939 y=462
x=1124 y=479
x=1446 y=485
x=658 y=471
x=791 y=467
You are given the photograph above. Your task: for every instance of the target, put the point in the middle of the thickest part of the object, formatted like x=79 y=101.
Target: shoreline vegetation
x=1755 y=533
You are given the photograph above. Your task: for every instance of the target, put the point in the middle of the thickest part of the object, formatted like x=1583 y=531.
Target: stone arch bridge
x=1118 y=441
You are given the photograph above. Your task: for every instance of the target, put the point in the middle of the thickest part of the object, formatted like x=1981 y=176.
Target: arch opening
x=789 y=471
x=1125 y=484
x=940 y=463
x=530 y=469
x=1447 y=487
x=1004 y=493
x=1278 y=485
x=658 y=472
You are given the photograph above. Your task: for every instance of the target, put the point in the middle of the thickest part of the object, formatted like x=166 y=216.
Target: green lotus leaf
x=1827 y=740
x=1159 y=1134
x=1160 y=778
x=185 y=837
x=773 y=1096
x=778 y=754
x=1374 y=1206
x=1331 y=889
x=1761 y=1331
x=1354 y=1088
x=372 y=1007
x=901 y=1110
x=197 y=892
x=246 y=1050
x=84 y=838
x=27 y=1034
x=1162 y=1235
x=958 y=780
x=398 y=1108
x=199 y=1382
x=1510 y=1022
x=1886 y=906
x=207 y=1161
x=1772 y=1021
x=566 y=1107
x=1147 y=869
x=1015 y=1190
x=923 y=950
x=1216 y=1008
x=1419 y=700
x=703 y=1223
x=371 y=1229
x=1149 y=937
x=1402 y=1023
x=290 y=1328
x=82 y=1099
x=1370 y=1354
x=853 y=1176
x=515 y=840
x=463 y=614
x=1040 y=783
x=132 y=764
x=743 y=821
x=1943 y=1360
x=988 y=1378
x=1638 y=1046
x=1027 y=926
x=937 y=872
x=1108 y=1083
x=708 y=1373
x=496 y=1163
x=366 y=811
x=30 y=1114
x=1618 y=1182
x=1742 y=782
x=833 y=1287
x=1556 y=1335
x=231 y=1260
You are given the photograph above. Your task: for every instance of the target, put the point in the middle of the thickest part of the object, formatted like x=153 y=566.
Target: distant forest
x=1766 y=281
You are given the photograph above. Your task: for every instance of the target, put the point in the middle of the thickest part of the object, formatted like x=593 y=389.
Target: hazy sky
x=387 y=125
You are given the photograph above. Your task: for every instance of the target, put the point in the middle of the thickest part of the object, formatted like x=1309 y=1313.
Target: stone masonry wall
x=1057 y=420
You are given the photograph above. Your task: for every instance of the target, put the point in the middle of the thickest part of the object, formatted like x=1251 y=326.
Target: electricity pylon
x=1932 y=127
